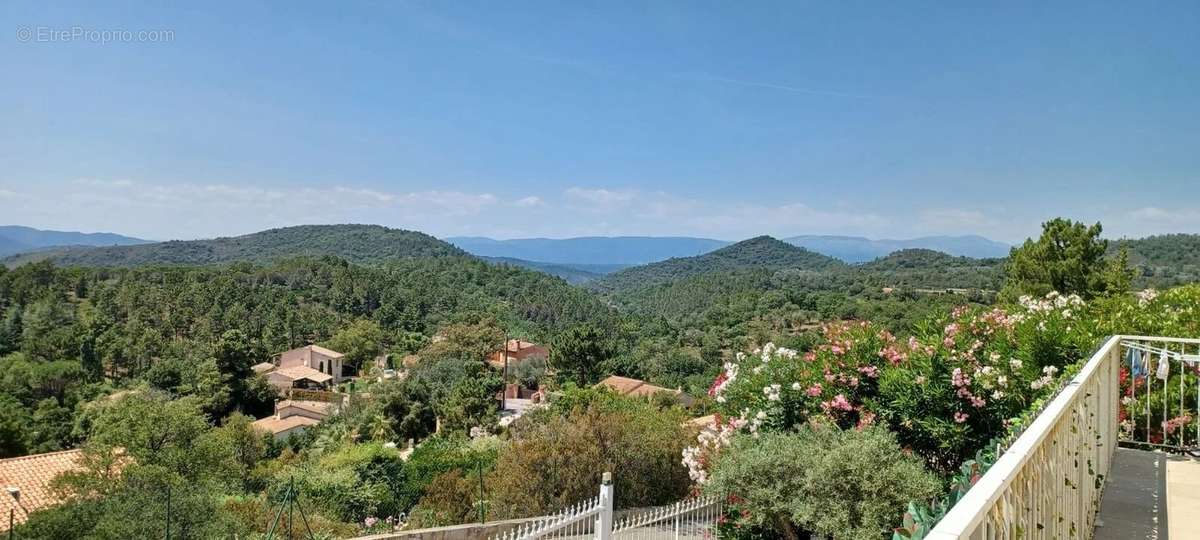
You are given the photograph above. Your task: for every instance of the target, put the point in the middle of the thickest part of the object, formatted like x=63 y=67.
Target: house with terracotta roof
x=638 y=388
x=518 y=351
x=26 y=483
x=299 y=377
x=311 y=367
x=314 y=357
x=294 y=416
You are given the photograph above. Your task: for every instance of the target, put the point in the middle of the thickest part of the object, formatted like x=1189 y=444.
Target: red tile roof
x=32 y=475
x=276 y=425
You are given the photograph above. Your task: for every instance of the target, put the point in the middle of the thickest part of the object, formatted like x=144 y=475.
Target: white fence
x=691 y=519
x=1049 y=482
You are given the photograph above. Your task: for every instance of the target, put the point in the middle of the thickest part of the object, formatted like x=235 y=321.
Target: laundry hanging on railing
x=1136 y=366
x=1164 y=366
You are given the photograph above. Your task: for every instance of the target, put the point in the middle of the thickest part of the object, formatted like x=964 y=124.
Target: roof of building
x=517 y=345
x=264 y=367
x=277 y=425
x=327 y=352
x=32 y=475
x=320 y=407
x=634 y=387
x=296 y=373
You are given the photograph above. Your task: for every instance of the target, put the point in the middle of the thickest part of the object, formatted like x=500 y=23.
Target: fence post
x=604 y=522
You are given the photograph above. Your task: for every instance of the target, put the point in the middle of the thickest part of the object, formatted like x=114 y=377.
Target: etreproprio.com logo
x=50 y=34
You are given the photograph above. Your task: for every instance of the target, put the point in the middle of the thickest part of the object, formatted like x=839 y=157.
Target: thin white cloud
x=529 y=202
x=953 y=218
x=118 y=183
x=601 y=199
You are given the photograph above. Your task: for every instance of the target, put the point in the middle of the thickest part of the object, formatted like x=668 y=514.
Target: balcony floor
x=1142 y=490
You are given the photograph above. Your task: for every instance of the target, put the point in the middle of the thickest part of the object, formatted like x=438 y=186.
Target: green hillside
x=1164 y=260
x=926 y=268
x=760 y=252
x=355 y=243
x=570 y=274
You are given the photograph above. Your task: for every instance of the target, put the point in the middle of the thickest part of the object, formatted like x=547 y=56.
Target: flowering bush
x=945 y=391
x=967 y=378
x=775 y=388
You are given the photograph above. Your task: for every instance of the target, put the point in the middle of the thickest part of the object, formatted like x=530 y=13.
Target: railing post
x=604 y=521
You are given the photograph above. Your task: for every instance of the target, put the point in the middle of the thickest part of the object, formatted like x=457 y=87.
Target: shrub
x=844 y=484
x=556 y=459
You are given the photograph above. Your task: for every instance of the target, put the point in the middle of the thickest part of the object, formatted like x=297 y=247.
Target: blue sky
x=717 y=119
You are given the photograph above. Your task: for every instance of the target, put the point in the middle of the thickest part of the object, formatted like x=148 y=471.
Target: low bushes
x=843 y=484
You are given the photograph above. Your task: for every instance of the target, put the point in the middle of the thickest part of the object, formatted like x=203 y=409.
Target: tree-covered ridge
x=569 y=273
x=758 y=252
x=355 y=243
x=1163 y=260
x=129 y=317
x=926 y=268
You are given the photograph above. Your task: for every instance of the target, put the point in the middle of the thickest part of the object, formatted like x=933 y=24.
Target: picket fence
x=689 y=519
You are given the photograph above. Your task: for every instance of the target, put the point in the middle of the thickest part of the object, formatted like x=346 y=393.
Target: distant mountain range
x=355 y=243
x=633 y=250
x=18 y=239
x=856 y=249
x=602 y=250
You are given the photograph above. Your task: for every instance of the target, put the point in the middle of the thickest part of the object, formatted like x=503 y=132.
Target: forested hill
x=571 y=274
x=926 y=268
x=759 y=252
x=355 y=243
x=1164 y=260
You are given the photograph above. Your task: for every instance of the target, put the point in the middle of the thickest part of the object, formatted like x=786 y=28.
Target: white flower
x=796 y=386
x=1015 y=363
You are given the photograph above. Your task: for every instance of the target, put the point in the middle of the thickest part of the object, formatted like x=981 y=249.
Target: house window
x=322 y=370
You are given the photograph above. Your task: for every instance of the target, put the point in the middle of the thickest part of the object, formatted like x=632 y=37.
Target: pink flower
x=814 y=390
x=961 y=417
x=841 y=403
x=958 y=379
x=870 y=371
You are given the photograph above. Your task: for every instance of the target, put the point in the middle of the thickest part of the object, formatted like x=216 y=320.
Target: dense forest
x=1163 y=260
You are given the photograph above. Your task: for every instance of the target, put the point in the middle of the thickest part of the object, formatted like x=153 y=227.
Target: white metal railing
x=593 y=519
x=1156 y=409
x=1049 y=482
x=691 y=519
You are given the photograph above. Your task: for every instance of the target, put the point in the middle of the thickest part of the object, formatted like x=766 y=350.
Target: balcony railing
x=1048 y=484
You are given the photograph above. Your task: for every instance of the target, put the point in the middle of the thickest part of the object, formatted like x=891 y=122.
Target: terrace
x=1100 y=461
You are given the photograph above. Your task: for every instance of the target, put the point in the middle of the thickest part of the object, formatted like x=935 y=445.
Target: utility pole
x=168 y=531
x=479 y=469
x=504 y=381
